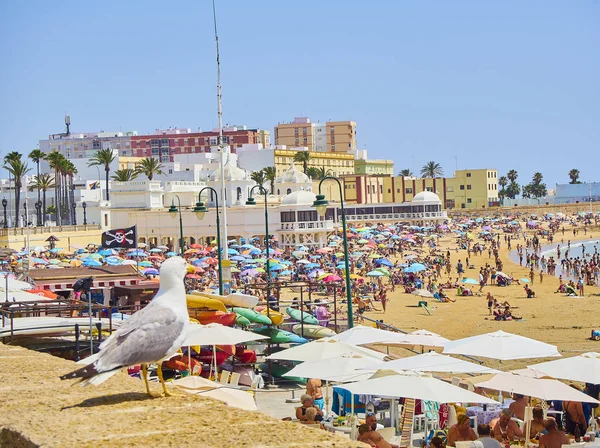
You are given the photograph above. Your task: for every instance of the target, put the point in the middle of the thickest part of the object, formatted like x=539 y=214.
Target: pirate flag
x=120 y=238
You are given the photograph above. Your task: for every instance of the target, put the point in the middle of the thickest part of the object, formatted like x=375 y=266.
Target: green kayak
x=253 y=316
x=301 y=316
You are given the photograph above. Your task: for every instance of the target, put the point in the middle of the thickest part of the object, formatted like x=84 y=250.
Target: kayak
x=278 y=370
x=301 y=316
x=241 y=321
x=194 y=301
x=313 y=331
x=275 y=316
x=253 y=316
x=219 y=317
x=181 y=363
x=236 y=299
x=245 y=355
x=279 y=336
x=206 y=357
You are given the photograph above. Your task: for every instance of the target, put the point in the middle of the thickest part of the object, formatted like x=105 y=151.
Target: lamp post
x=4 y=204
x=74 y=213
x=38 y=214
x=173 y=211
x=321 y=205
x=251 y=201
x=200 y=211
x=84 y=205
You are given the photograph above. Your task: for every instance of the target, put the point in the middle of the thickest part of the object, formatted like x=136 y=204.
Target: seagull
x=151 y=335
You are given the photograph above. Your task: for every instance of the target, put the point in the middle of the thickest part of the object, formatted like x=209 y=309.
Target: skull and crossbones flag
x=120 y=238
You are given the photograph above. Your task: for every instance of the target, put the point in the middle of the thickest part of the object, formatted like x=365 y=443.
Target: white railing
x=311 y=225
x=374 y=217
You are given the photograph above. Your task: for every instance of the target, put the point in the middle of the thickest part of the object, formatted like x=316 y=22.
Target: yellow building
x=129 y=162
x=374 y=167
x=332 y=136
x=468 y=189
x=337 y=164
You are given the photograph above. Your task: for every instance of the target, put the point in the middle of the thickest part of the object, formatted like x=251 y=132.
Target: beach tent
x=432 y=362
x=322 y=349
x=584 y=368
x=502 y=346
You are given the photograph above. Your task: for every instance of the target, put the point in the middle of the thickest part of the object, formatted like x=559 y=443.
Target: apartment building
x=332 y=136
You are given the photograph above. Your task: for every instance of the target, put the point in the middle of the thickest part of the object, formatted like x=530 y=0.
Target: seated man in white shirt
x=484 y=437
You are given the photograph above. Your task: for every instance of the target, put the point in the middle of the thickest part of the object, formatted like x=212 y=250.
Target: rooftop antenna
x=221 y=146
x=68 y=124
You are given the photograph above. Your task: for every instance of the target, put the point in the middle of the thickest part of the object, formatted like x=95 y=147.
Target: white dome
x=300 y=197
x=426 y=196
x=232 y=173
x=292 y=175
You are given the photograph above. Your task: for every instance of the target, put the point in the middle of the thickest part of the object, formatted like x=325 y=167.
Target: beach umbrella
x=155 y=249
x=13 y=283
x=361 y=334
x=385 y=262
x=107 y=252
x=151 y=271
x=136 y=253
x=231 y=251
x=421 y=338
x=298 y=254
x=340 y=368
x=56 y=250
x=415 y=267
x=413 y=385
x=525 y=280
x=90 y=262
x=422 y=293
x=217 y=334
x=470 y=281
x=545 y=389
x=250 y=272
x=145 y=263
x=384 y=271
x=38 y=249
x=128 y=262
x=95 y=256
x=410 y=257
x=584 y=368
x=312 y=265
x=432 y=362
x=375 y=274
x=322 y=349
x=75 y=263
x=332 y=278
x=502 y=346
x=237 y=258
x=206 y=388
x=38 y=261
x=171 y=254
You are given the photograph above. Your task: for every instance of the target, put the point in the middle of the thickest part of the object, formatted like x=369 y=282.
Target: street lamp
x=74 y=213
x=251 y=201
x=84 y=205
x=321 y=206
x=38 y=206
x=173 y=212
x=200 y=210
x=4 y=204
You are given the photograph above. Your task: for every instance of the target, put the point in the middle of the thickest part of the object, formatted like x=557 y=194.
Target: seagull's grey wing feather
x=146 y=337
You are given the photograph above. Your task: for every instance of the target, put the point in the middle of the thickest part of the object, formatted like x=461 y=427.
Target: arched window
x=289 y=190
x=239 y=193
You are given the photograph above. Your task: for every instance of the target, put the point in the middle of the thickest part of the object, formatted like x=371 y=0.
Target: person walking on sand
x=541 y=276
x=531 y=275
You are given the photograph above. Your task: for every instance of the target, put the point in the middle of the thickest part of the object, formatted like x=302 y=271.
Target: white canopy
x=18 y=295
x=232 y=397
x=361 y=334
x=415 y=386
x=432 y=362
x=341 y=368
x=501 y=345
x=584 y=368
x=423 y=338
x=13 y=284
x=322 y=349
x=217 y=334
x=546 y=389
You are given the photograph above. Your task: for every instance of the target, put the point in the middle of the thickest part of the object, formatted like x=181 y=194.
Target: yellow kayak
x=196 y=301
x=276 y=316
x=235 y=299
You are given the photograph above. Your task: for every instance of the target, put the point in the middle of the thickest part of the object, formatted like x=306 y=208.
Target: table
x=341 y=429
x=483 y=416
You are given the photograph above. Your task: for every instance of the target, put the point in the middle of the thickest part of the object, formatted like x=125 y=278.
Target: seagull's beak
x=190 y=269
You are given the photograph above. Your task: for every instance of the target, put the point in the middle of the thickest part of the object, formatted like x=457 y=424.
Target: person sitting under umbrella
x=462 y=431
x=553 y=438
x=307 y=403
x=504 y=428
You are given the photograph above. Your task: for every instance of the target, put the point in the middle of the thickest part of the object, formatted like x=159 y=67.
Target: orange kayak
x=208 y=317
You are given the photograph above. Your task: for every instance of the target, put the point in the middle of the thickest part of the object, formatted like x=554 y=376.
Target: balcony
x=398 y=216
x=307 y=226
x=49 y=230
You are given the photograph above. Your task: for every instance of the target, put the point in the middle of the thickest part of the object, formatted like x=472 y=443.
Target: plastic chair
x=224 y=379
x=387 y=433
x=571 y=445
x=521 y=423
x=235 y=378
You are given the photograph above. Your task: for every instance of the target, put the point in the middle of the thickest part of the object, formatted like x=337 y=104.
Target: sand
x=39 y=410
x=551 y=317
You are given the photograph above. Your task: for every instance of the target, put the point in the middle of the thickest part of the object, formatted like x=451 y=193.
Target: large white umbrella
x=341 y=368
x=584 y=368
x=423 y=338
x=217 y=334
x=13 y=284
x=232 y=397
x=432 y=362
x=501 y=345
x=415 y=386
x=322 y=349
x=422 y=293
x=361 y=334
x=545 y=389
x=18 y=295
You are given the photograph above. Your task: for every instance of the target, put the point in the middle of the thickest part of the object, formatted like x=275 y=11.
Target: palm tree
x=313 y=172
x=574 y=175
x=302 y=157
x=124 y=175
x=69 y=172
x=104 y=157
x=405 y=173
x=258 y=177
x=432 y=169
x=14 y=155
x=37 y=155
x=512 y=175
x=503 y=182
x=43 y=182
x=17 y=168
x=55 y=159
x=270 y=176
x=149 y=167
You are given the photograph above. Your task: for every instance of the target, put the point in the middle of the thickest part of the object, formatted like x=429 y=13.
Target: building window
x=469 y=200
x=288 y=216
x=462 y=187
x=333 y=147
x=397 y=190
x=106 y=220
x=430 y=189
x=239 y=193
x=389 y=190
x=468 y=187
x=468 y=174
x=409 y=191
x=381 y=189
x=462 y=205
x=449 y=189
x=288 y=191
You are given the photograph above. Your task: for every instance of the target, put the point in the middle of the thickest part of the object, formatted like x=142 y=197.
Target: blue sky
x=498 y=84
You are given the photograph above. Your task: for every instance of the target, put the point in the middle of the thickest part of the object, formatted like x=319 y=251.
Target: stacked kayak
x=209 y=317
x=195 y=301
x=278 y=370
x=301 y=316
x=253 y=316
x=279 y=336
x=313 y=331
